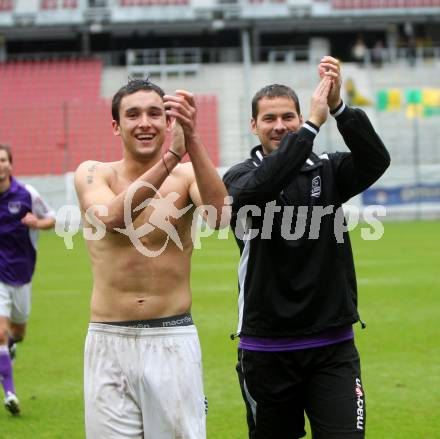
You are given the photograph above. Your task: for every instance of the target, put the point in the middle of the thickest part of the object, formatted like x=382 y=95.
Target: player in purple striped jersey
x=22 y=214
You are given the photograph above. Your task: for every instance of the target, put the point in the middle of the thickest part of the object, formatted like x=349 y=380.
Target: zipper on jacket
x=363 y=324
x=234 y=336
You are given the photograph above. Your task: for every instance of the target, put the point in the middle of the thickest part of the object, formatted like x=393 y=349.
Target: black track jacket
x=306 y=283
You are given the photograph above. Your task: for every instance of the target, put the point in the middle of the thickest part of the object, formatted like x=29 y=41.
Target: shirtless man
x=142 y=366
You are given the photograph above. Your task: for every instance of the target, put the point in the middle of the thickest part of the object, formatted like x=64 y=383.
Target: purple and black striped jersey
x=17 y=241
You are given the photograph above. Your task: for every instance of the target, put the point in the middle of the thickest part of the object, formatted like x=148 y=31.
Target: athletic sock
x=6 y=370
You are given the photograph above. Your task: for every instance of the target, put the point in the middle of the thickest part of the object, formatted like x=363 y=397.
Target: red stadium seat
x=70 y=4
x=382 y=4
x=153 y=2
x=48 y=4
x=6 y=5
x=54 y=118
x=46 y=90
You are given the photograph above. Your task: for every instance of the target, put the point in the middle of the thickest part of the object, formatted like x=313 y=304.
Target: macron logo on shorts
x=360 y=405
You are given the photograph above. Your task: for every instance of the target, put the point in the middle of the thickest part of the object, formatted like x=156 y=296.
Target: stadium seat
x=70 y=4
x=47 y=90
x=53 y=116
x=383 y=4
x=6 y=5
x=153 y=2
x=49 y=4
x=267 y=1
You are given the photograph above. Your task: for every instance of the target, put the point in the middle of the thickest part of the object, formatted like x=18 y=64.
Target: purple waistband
x=264 y=344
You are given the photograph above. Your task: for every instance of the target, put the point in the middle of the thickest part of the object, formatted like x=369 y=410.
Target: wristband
x=175 y=154
x=166 y=167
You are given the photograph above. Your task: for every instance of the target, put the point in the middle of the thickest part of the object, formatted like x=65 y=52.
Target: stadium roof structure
x=92 y=26
x=25 y=18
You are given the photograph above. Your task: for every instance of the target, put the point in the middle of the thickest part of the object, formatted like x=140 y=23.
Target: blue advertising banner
x=397 y=195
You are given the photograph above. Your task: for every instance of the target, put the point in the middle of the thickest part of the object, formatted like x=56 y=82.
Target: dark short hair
x=274 y=91
x=8 y=151
x=131 y=87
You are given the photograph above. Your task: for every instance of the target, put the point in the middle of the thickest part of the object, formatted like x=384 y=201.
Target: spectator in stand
x=377 y=54
x=359 y=51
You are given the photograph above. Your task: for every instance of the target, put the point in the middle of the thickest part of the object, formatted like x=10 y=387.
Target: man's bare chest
x=164 y=217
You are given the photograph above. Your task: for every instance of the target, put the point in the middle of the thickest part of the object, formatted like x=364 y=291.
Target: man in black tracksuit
x=297 y=283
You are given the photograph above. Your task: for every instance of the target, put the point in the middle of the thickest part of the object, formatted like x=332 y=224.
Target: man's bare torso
x=129 y=285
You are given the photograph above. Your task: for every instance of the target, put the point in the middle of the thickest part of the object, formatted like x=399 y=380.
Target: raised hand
x=319 y=104
x=330 y=67
x=177 y=139
x=183 y=108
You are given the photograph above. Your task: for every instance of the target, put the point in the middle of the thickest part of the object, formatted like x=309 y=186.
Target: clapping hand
x=330 y=67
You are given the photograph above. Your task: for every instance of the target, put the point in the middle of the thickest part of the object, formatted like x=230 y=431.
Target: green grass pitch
x=399 y=298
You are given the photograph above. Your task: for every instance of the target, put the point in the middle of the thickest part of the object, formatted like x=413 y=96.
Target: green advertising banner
x=418 y=102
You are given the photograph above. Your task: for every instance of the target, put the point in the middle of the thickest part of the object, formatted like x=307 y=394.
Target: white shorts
x=143 y=383
x=15 y=302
